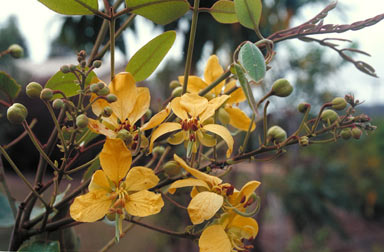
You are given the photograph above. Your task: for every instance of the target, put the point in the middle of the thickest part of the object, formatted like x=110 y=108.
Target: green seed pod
x=17 y=113
x=171 y=168
x=174 y=84
x=223 y=116
x=96 y=63
x=33 y=90
x=111 y=98
x=346 y=133
x=330 y=115
x=81 y=121
x=103 y=92
x=304 y=141
x=276 y=134
x=107 y=112
x=339 y=103
x=125 y=135
x=177 y=92
x=159 y=150
x=16 y=51
x=94 y=88
x=65 y=69
x=282 y=88
x=46 y=94
x=356 y=133
x=58 y=104
x=302 y=108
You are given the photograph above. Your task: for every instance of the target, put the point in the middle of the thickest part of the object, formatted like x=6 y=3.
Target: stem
x=57 y=125
x=265 y=123
x=161 y=160
x=113 y=240
x=83 y=165
x=225 y=75
x=112 y=39
x=191 y=43
x=21 y=136
x=3 y=181
x=94 y=11
x=246 y=138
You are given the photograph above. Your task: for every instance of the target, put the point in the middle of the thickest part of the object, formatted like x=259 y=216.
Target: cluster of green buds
x=177 y=88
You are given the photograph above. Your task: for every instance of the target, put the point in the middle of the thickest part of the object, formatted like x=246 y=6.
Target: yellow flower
x=117 y=188
x=194 y=110
x=132 y=103
x=229 y=234
x=212 y=72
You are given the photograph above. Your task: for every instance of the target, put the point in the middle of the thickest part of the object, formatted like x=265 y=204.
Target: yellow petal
x=195 y=84
x=100 y=128
x=212 y=72
x=99 y=181
x=177 y=138
x=99 y=105
x=115 y=159
x=211 y=180
x=214 y=239
x=204 y=206
x=123 y=86
x=144 y=203
x=213 y=104
x=205 y=139
x=90 y=207
x=249 y=188
x=248 y=226
x=140 y=178
x=236 y=96
x=239 y=119
x=222 y=132
x=163 y=129
x=179 y=111
x=141 y=106
x=186 y=183
x=193 y=104
x=157 y=119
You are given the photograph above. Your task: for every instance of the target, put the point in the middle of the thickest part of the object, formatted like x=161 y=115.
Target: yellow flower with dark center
x=193 y=110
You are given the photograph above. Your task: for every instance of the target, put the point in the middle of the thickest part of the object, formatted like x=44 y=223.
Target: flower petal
x=213 y=104
x=204 y=206
x=239 y=119
x=115 y=159
x=205 y=139
x=140 y=178
x=179 y=111
x=214 y=239
x=144 y=203
x=99 y=105
x=222 y=132
x=161 y=130
x=193 y=104
x=100 y=128
x=212 y=72
x=186 y=183
x=143 y=100
x=157 y=119
x=177 y=138
x=236 y=96
x=99 y=181
x=90 y=207
x=248 y=226
x=195 y=84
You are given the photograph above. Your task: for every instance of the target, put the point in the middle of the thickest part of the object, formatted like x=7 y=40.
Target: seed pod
x=276 y=134
x=302 y=108
x=171 y=168
x=17 y=113
x=46 y=94
x=177 y=92
x=111 y=98
x=223 y=116
x=174 y=84
x=125 y=135
x=16 y=51
x=356 y=133
x=58 y=104
x=33 y=90
x=330 y=115
x=96 y=63
x=282 y=88
x=81 y=121
x=346 y=133
x=339 y=103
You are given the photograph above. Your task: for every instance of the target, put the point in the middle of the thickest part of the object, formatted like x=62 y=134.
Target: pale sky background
x=39 y=25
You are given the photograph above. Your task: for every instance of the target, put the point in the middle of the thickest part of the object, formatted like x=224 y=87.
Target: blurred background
x=317 y=198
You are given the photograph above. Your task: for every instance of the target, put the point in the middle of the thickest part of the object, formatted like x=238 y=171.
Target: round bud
x=330 y=115
x=94 y=88
x=72 y=67
x=96 y=64
x=33 y=90
x=339 y=103
x=58 y=104
x=125 y=135
x=159 y=150
x=356 y=133
x=302 y=108
x=111 y=216
x=171 y=168
x=81 y=121
x=346 y=133
x=107 y=112
x=46 y=94
x=276 y=134
x=83 y=63
x=111 y=98
x=282 y=88
x=17 y=113
x=103 y=92
x=209 y=96
x=148 y=114
x=174 y=84
x=223 y=116
x=304 y=141
x=100 y=85
x=65 y=69
x=210 y=120
x=177 y=92
x=16 y=51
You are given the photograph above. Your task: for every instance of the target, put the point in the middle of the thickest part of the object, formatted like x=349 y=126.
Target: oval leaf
x=6 y=216
x=67 y=83
x=248 y=13
x=146 y=60
x=49 y=246
x=159 y=11
x=223 y=11
x=71 y=7
x=9 y=86
x=252 y=60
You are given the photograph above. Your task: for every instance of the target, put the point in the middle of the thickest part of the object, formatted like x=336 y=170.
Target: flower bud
x=177 y=92
x=346 y=133
x=125 y=135
x=276 y=134
x=17 y=113
x=174 y=84
x=223 y=116
x=171 y=168
x=103 y=92
x=46 y=94
x=94 y=88
x=282 y=88
x=58 y=104
x=100 y=85
x=339 y=103
x=302 y=108
x=33 y=90
x=96 y=63
x=148 y=114
x=83 y=63
x=356 y=133
x=330 y=115
x=72 y=67
x=16 y=51
x=111 y=216
x=111 y=98
x=159 y=150
x=209 y=96
x=107 y=112
x=65 y=69
x=304 y=141
x=81 y=121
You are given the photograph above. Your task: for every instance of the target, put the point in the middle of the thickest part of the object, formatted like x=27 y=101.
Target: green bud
x=304 y=141
x=223 y=116
x=346 y=133
x=209 y=96
x=339 y=103
x=330 y=115
x=81 y=121
x=100 y=85
x=107 y=112
x=72 y=67
x=94 y=88
x=276 y=134
x=159 y=150
x=171 y=168
x=103 y=92
x=125 y=135
x=282 y=88
x=111 y=98
x=177 y=92
x=58 y=104
x=46 y=94
x=96 y=63
x=16 y=51
x=83 y=63
x=17 y=113
x=148 y=114
x=356 y=133
x=33 y=90
x=65 y=69
x=302 y=108
x=111 y=216
x=174 y=84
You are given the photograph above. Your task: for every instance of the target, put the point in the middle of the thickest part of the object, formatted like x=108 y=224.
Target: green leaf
x=9 y=86
x=67 y=83
x=223 y=11
x=38 y=246
x=6 y=216
x=71 y=7
x=146 y=60
x=252 y=60
x=248 y=13
x=159 y=11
